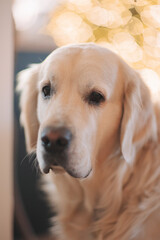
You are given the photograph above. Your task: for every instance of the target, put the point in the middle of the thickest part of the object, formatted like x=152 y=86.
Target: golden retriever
x=94 y=125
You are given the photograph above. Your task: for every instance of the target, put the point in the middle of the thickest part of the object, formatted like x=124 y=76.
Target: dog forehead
x=84 y=62
x=78 y=54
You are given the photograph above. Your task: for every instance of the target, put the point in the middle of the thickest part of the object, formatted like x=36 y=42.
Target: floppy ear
x=27 y=86
x=138 y=121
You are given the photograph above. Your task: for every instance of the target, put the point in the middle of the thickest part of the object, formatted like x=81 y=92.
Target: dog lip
x=57 y=169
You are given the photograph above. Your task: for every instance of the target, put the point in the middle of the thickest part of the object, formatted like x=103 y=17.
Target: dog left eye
x=46 y=91
x=95 y=98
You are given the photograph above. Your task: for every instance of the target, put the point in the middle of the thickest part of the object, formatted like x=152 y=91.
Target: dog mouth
x=54 y=167
x=53 y=163
x=60 y=165
x=57 y=169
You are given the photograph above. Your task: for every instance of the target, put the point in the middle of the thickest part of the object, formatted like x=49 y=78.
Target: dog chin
x=75 y=174
x=62 y=168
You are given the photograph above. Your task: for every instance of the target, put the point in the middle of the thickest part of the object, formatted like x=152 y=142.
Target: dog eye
x=95 y=98
x=46 y=91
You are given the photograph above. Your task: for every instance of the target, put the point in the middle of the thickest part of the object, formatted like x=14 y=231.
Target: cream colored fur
x=118 y=140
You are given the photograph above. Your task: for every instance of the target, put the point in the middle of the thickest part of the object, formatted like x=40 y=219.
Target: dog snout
x=55 y=140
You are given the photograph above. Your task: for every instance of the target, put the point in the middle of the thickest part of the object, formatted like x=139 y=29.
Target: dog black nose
x=56 y=139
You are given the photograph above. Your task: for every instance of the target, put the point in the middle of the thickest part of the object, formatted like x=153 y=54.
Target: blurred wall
x=26 y=175
x=6 y=120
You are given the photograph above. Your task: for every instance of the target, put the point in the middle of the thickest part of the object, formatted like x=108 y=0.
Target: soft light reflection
x=137 y=2
x=127 y=47
x=151 y=16
x=25 y=16
x=80 y=5
x=69 y=27
x=152 y=80
x=135 y=26
x=28 y=14
x=129 y=28
x=152 y=37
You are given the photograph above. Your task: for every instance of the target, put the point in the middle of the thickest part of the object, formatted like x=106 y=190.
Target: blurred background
x=30 y=30
x=32 y=45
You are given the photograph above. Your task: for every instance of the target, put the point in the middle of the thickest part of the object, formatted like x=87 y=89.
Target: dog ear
x=28 y=88
x=138 y=121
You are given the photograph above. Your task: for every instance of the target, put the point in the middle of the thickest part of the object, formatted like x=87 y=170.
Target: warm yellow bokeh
x=130 y=28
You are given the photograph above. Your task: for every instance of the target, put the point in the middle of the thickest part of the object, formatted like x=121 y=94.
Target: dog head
x=79 y=105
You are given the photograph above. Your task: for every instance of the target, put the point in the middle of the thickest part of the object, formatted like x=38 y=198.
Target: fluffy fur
x=118 y=141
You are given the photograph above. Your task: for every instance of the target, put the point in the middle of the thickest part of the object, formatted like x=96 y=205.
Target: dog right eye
x=95 y=98
x=46 y=91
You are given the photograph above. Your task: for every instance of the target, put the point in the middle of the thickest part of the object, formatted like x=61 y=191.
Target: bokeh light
x=130 y=28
